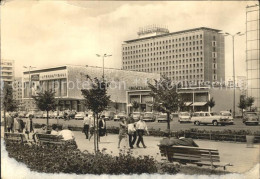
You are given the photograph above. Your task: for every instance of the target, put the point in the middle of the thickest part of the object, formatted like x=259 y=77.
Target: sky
x=50 y=33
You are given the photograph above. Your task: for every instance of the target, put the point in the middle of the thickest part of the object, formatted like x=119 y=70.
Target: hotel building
x=253 y=53
x=188 y=56
x=7 y=71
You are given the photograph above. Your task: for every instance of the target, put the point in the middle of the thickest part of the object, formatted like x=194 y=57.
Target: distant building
x=241 y=84
x=188 y=56
x=18 y=92
x=7 y=71
x=67 y=82
x=253 y=53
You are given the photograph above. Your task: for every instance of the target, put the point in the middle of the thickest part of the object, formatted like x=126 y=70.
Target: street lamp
x=234 y=80
x=29 y=67
x=103 y=57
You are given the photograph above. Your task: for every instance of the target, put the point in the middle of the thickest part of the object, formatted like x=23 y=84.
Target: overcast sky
x=50 y=33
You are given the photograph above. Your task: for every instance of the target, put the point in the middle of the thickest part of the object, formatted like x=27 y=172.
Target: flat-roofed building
x=7 y=71
x=188 y=56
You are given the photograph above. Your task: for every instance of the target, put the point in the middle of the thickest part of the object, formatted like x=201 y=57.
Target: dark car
x=250 y=118
x=149 y=117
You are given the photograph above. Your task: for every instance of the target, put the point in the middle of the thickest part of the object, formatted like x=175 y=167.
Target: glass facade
x=253 y=53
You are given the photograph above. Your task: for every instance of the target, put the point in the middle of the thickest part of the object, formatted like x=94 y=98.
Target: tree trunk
x=5 y=121
x=98 y=137
x=47 y=119
x=168 y=121
x=95 y=131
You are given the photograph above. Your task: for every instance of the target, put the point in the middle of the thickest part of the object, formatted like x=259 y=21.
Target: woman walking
x=122 y=131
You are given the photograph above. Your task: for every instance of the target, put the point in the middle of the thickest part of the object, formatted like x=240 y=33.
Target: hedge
x=60 y=158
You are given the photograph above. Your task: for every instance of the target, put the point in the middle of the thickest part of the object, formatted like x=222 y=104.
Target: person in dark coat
x=9 y=122
x=102 y=126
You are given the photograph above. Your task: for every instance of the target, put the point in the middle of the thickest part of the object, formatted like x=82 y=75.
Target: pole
x=103 y=67
x=234 y=98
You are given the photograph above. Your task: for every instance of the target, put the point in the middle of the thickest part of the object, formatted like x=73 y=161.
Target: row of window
x=170 y=67
x=165 y=51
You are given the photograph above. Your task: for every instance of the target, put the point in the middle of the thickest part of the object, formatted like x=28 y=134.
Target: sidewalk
x=238 y=154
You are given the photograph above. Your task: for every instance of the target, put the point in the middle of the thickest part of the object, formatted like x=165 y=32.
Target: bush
x=61 y=158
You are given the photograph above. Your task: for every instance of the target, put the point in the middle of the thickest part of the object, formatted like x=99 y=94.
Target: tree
x=135 y=105
x=9 y=104
x=165 y=97
x=211 y=103
x=45 y=101
x=242 y=104
x=116 y=106
x=97 y=100
x=250 y=101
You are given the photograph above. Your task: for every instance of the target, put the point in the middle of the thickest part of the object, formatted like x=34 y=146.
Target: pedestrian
x=9 y=122
x=122 y=130
x=91 y=127
x=102 y=127
x=141 y=128
x=29 y=126
x=17 y=124
x=131 y=130
x=86 y=123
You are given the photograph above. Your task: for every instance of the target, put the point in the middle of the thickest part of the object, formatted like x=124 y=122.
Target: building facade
x=7 y=71
x=67 y=82
x=189 y=56
x=253 y=53
x=18 y=92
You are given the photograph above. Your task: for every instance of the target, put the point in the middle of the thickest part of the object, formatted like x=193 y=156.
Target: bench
x=15 y=137
x=49 y=139
x=192 y=155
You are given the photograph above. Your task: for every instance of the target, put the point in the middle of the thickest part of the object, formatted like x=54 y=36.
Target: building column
x=193 y=101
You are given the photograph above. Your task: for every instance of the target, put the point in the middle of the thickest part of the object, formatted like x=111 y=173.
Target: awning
x=187 y=103
x=129 y=105
x=199 y=103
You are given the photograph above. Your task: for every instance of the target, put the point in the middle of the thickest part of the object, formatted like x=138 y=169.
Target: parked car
x=206 y=118
x=72 y=114
x=119 y=116
x=22 y=114
x=184 y=117
x=227 y=115
x=162 y=117
x=60 y=115
x=80 y=116
x=137 y=115
x=251 y=118
x=149 y=117
x=109 y=115
x=38 y=114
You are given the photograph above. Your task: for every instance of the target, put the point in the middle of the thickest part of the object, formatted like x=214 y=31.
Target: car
x=149 y=117
x=137 y=115
x=72 y=114
x=38 y=114
x=162 y=117
x=250 y=118
x=60 y=115
x=30 y=113
x=227 y=115
x=22 y=114
x=80 y=116
x=184 y=117
x=109 y=115
x=206 y=118
x=119 y=116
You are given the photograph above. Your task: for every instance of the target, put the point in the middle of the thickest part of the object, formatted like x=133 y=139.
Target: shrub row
x=60 y=158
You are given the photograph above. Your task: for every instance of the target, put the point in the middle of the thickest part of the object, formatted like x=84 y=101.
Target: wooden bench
x=15 y=137
x=193 y=155
x=49 y=139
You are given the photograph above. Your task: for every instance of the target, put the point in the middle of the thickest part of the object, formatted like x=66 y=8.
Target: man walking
x=86 y=123
x=141 y=128
x=131 y=130
x=9 y=122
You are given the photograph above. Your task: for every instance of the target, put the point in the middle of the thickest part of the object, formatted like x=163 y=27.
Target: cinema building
x=67 y=82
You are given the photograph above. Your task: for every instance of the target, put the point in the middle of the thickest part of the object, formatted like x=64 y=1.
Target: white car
x=184 y=117
x=80 y=116
x=206 y=118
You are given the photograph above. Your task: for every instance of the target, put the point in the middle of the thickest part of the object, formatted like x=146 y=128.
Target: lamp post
x=234 y=80
x=103 y=58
